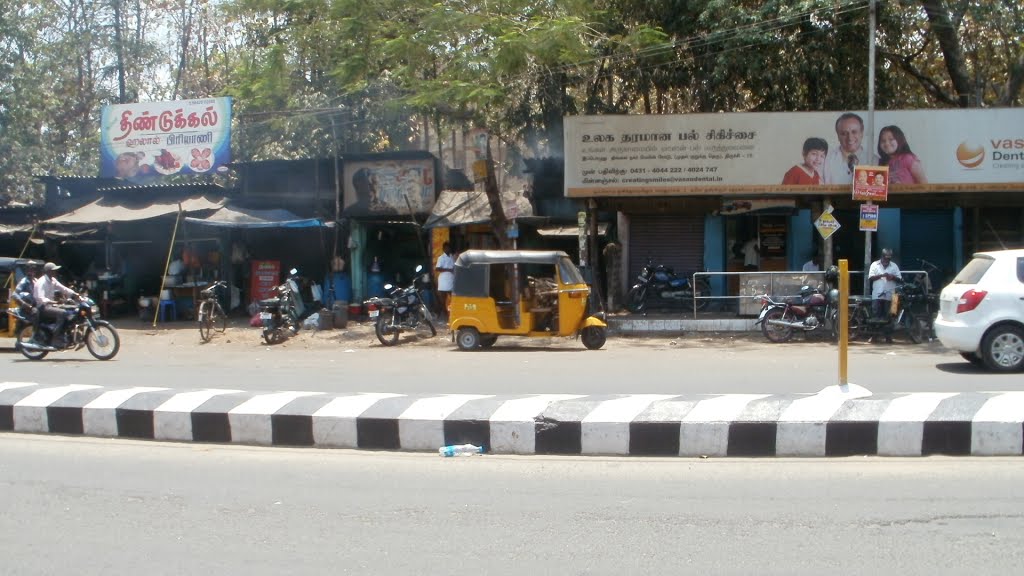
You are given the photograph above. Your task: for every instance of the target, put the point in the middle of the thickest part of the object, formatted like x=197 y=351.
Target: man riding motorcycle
x=46 y=287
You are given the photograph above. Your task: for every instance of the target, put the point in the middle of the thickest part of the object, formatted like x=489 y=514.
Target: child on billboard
x=808 y=173
x=893 y=151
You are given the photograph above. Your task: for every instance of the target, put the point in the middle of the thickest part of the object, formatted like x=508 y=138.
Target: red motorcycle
x=811 y=310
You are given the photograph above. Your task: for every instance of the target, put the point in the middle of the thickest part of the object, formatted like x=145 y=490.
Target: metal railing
x=779 y=283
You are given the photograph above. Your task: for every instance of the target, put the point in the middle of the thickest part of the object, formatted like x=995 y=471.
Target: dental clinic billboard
x=143 y=141
x=793 y=152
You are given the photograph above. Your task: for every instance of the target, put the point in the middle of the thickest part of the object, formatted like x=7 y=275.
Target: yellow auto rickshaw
x=529 y=293
x=11 y=270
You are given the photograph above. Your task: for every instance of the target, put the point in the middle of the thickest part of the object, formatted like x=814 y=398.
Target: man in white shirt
x=883 y=275
x=851 y=152
x=445 y=275
x=751 y=254
x=46 y=287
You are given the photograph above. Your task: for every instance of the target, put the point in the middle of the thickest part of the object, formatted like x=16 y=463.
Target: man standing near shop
x=445 y=276
x=851 y=152
x=883 y=275
x=46 y=288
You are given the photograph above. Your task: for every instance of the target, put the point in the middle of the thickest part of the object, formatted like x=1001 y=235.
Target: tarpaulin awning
x=128 y=210
x=237 y=217
x=7 y=229
x=459 y=207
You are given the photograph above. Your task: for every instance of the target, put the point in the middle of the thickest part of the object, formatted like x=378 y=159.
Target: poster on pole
x=871 y=183
x=869 y=217
x=826 y=224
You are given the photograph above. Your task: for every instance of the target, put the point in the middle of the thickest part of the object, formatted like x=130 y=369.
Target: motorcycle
x=280 y=315
x=402 y=311
x=661 y=283
x=899 y=318
x=810 y=311
x=82 y=327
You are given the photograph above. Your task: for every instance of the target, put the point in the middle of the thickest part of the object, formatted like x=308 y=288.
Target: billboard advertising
x=143 y=141
x=792 y=152
x=389 y=187
x=871 y=183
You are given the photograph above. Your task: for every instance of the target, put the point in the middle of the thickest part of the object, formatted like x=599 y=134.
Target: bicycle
x=211 y=315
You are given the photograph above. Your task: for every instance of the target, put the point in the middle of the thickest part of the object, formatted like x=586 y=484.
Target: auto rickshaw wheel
x=467 y=338
x=593 y=337
x=488 y=340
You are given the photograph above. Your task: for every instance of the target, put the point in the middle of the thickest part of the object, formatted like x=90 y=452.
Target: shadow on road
x=965 y=368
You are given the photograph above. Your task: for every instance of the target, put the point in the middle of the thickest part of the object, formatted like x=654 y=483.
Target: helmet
x=832 y=274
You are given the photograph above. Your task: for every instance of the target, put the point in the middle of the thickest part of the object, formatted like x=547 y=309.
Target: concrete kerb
x=833 y=422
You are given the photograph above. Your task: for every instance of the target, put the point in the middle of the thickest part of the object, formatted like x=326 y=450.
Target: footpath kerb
x=834 y=422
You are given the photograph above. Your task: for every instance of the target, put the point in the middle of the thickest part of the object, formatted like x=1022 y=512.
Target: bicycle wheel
x=220 y=319
x=205 y=321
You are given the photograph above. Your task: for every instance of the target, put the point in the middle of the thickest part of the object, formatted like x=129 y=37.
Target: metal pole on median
x=844 y=319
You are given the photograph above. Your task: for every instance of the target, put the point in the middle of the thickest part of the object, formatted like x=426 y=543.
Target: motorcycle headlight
x=95 y=310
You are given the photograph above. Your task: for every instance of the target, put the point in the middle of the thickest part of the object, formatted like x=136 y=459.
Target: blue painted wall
x=888 y=235
x=714 y=251
x=800 y=246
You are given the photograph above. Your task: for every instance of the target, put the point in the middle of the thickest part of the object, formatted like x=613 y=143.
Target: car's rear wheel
x=1002 y=348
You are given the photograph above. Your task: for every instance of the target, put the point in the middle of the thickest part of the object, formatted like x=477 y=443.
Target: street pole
x=844 y=320
x=869 y=133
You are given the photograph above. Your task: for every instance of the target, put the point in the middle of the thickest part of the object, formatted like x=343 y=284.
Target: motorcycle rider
x=24 y=291
x=46 y=287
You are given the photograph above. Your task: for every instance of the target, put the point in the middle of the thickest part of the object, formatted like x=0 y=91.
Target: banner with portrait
x=792 y=152
x=389 y=187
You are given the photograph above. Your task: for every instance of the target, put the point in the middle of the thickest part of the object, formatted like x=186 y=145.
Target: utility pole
x=869 y=133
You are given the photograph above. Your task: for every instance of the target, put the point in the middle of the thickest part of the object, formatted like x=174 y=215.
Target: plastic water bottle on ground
x=460 y=450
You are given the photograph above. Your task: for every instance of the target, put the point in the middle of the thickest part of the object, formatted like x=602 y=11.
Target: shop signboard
x=869 y=217
x=871 y=183
x=772 y=232
x=389 y=187
x=143 y=141
x=265 y=276
x=787 y=153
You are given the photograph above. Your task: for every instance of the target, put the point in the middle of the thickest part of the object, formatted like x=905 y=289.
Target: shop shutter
x=675 y=241
x=927 y=234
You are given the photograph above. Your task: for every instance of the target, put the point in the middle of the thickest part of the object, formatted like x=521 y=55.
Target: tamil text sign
x=792 y=152
x=143 y=141
x=869 y=217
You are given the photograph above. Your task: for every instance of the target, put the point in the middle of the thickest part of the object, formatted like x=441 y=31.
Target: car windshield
x=568 y=272
x=975 y=269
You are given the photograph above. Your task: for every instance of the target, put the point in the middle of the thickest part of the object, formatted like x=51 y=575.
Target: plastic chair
x=168 y=306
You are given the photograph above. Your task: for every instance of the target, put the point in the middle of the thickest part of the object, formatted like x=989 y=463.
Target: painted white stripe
x=13 y=385
x=513 y=430
x=334 y=425
x=802 y=426
x=250 y=420
x=606 y=429
x=705 y=429
x=30 y=412
x=901 y=426
x=996 y=427
x=172 y=420
x=99 y=417
x=421 y=426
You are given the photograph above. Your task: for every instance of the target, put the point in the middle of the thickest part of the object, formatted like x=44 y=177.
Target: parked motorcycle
x=899 y=318
x=82 y=327
x=810 y=311
x=403 y=311
x=281 y=314
x=660 y=283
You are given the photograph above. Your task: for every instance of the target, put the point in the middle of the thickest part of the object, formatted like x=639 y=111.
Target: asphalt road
x=108 y=506
x=353 y=361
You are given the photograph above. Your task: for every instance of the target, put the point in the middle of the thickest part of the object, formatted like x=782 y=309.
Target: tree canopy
x=313 y=76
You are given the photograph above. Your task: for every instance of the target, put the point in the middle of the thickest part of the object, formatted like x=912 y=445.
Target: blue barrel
x=375 y=284
x=343 y=286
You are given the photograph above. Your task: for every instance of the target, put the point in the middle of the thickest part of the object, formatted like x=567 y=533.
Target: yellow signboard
x=826 y=223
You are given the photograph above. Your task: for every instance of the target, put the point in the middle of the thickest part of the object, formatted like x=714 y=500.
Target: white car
x=981 y=313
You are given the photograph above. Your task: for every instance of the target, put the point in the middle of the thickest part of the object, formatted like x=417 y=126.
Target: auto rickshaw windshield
x=568 y=272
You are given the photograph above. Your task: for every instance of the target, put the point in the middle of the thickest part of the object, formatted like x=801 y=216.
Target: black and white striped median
x=833 y=422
